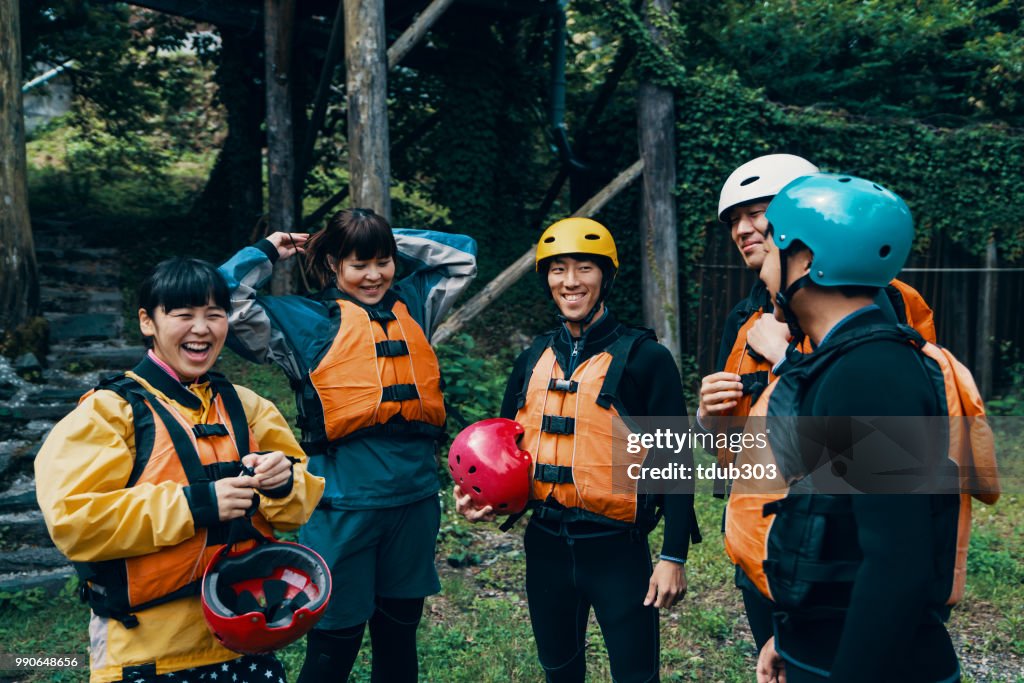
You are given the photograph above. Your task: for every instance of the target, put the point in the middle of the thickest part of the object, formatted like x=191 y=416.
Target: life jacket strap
x=395 y=393
x=754 y=383
x=380 y=315
x=567 y=385
x=554 y=474
x=558 y=424
x=391 y=348
x=203 y=431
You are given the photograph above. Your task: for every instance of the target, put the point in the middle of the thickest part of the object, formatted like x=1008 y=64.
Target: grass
x=478 y=629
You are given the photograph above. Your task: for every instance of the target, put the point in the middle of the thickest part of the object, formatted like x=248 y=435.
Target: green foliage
x=473 y=384
x=936 y=57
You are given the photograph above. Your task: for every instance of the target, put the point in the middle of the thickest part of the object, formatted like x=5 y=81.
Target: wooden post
x=19 y=284
x=986 y=323
x=366 y=66
x=522 y=265
x=660 y=267
x=279 y=21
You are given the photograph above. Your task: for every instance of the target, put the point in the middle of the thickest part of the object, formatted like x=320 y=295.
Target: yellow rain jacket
x=82 y=474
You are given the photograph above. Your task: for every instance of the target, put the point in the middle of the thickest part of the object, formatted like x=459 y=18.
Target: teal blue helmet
x=860 y=232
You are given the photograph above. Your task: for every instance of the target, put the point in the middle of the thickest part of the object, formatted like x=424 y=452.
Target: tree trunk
x=19 y=284
x=230 y=207
x=367 y=87
x=279 y=22
x=660 y=270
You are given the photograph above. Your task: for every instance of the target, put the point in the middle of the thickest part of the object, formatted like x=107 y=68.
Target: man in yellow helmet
x=586 y=542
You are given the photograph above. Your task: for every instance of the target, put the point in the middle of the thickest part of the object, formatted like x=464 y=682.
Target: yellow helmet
x=576 y=236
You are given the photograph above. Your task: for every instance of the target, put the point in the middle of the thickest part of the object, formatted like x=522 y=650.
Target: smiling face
x=575 y=286
x=188 y=339
x=365 y=280
x=748 y=225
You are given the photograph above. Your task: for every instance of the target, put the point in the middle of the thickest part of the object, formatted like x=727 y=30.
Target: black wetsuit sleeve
x=651 y=386
x=509 y=403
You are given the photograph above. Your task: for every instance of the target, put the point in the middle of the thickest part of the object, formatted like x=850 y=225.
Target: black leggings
x=565 y=577
x=330 y=655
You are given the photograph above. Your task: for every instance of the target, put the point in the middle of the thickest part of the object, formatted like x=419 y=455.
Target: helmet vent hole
x=751 y=179
x=549 y=240
x=885 y=251
x=472 y=469
x=591 y=236
x=877 y=187
x=458 y=459
x=845 y=180
x=503 y=505
x=477 y=489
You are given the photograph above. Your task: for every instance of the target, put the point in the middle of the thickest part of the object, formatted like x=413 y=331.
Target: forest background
x=162 y=153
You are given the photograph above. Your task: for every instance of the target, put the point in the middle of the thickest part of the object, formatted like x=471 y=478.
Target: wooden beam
x=279 y=21
x=408 y=40
x=659 y=270
x=985 y=347
x=316 y=121
x=524 y=263
x=367 y=93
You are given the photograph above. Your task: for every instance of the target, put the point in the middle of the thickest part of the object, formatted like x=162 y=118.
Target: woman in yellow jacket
x=139 y=483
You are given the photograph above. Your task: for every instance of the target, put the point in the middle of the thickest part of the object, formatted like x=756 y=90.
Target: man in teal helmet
x=857 y=599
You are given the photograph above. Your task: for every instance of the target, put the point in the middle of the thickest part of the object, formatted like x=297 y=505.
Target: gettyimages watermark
x=981 y=456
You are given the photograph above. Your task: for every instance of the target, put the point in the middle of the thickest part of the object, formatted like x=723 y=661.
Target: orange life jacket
x=170 y=448
x=753 y=504
x=380 y=374
x=579 y=449
x=756 y=373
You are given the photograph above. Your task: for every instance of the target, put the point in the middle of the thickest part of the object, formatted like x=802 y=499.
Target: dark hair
x=182 y=283
x=360 y=231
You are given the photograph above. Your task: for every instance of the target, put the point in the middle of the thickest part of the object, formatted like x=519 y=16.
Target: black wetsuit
x=571 y=567
x=891 y=631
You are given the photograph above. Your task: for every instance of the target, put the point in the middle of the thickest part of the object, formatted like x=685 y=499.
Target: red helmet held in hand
x=486 y=462
x=262 y=599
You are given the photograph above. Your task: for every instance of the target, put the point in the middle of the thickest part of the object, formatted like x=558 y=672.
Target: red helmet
x=487 y=463
x=262 y=599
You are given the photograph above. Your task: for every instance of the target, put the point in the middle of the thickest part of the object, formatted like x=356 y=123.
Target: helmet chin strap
x=784 y=299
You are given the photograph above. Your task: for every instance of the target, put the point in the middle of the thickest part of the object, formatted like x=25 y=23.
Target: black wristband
x=202 y=502
x=269 y=249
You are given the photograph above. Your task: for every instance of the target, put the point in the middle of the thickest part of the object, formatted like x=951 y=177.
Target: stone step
x=20 y=496
x=24 y=528
x=12 y=453
x=98 y=273
x=80 y=357
x=52 y=581
x=91 y=300
x=27 y=413
x=85 y=326
x=52 y=254
x=32 y=559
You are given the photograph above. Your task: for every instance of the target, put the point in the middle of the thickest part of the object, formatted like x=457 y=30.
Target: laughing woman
x=368 y=391
x=139 y=483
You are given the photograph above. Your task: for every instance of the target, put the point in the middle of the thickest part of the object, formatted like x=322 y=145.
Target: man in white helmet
x=752 y=343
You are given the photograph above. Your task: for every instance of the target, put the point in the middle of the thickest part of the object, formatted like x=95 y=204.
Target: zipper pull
x=575 y=348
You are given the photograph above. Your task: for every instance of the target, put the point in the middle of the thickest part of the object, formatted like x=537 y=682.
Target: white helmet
x=761 y=178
